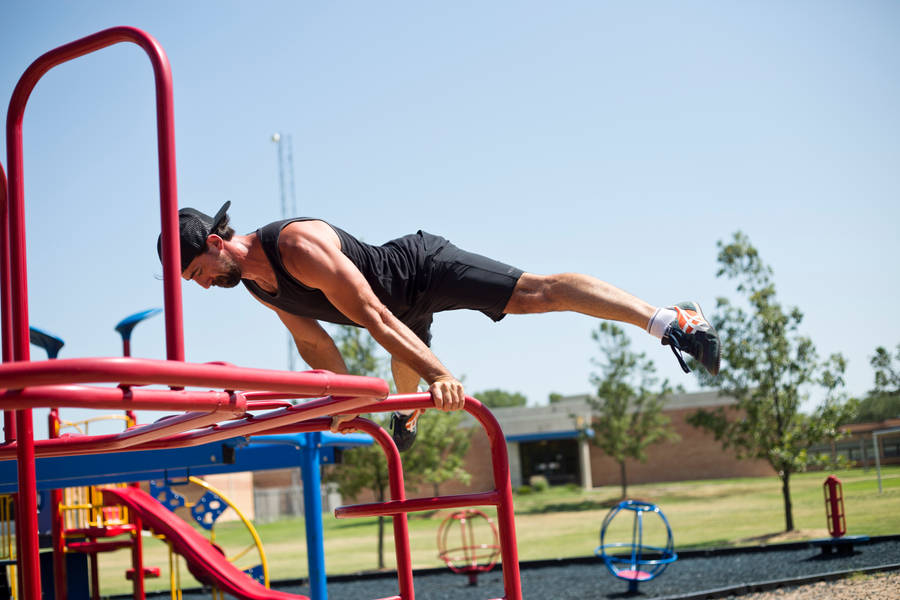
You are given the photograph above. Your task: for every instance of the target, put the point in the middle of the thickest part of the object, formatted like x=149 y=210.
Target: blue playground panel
x=306 y=450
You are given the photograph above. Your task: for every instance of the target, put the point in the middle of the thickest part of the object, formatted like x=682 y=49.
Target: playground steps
x=93 y=544
x=101 y=532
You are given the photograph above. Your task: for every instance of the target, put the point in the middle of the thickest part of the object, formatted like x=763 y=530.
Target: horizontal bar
x=116 y=442
x=393 y=507
x=93 y=547
x=250 y=425
x=145 y=371
x=117 y=398
x=165 y=427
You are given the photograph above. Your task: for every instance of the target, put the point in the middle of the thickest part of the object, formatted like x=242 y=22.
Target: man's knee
x=532 y=294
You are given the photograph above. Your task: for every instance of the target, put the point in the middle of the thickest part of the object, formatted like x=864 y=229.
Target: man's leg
x=403 y=423
x=578 y=293
x=682 y=326
x=405 y=379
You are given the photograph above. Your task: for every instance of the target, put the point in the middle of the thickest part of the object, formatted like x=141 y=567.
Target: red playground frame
x=206 y=415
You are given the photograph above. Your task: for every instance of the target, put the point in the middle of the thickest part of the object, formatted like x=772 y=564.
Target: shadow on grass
x=569 y=507
x=357 y=524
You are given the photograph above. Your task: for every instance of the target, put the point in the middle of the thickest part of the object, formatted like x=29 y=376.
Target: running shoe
x=690 y=332
x=404 y=429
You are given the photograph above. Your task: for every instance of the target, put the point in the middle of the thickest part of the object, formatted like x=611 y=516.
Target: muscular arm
x=310 y=251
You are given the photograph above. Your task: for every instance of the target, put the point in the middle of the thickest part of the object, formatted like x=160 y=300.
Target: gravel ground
x=882 y=586
x=691 y=575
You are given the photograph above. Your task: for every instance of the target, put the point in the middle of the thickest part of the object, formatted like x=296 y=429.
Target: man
x=309 y=271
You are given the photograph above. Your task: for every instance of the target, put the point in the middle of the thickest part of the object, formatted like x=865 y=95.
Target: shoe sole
x=716 y=333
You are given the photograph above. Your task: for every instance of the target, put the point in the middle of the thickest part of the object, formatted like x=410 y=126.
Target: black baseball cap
x=195 y=227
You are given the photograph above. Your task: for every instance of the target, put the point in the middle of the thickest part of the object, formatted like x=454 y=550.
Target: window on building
x=891 y=448
x=557 y=460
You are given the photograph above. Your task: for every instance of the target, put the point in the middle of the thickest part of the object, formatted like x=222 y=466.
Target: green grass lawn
x=564 y=522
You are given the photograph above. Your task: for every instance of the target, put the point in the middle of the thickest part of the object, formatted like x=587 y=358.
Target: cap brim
x=220 y=216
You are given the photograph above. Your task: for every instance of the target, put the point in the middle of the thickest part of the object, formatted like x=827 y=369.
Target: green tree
x=364 y=467
x=440 y=450
x=628 y=408
x=554 y=397
x=501 y=398
x=767 y=367
x=883 y=401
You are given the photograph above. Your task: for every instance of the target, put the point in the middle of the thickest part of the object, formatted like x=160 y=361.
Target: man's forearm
x=318 y=357
x=404 y=345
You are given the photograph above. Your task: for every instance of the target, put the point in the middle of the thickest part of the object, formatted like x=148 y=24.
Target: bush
x=523 y=490
x=539 y=483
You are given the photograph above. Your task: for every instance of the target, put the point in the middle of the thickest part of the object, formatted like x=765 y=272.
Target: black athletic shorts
x=460 y=280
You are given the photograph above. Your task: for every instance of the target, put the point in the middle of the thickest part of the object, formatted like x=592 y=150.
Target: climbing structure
x=244 y=401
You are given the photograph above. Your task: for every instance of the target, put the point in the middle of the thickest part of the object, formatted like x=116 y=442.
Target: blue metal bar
x=312 y=510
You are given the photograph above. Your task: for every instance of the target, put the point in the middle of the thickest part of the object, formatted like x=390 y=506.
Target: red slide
x=206 y=563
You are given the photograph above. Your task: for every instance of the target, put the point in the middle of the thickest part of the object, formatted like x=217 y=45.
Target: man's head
x=202 y=248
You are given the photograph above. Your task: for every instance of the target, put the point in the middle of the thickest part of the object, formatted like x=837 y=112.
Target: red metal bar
x=501 y=496
x=167 y=178
x=166 y=427
x=500 y=467
x=109 y=398
x=95 y=575
x=137 y=560
x=417 y=504
x=145 y=371
x=56 y=516
x=9 y=417
x=26 y=507
x=398 y=494
x=251 y=425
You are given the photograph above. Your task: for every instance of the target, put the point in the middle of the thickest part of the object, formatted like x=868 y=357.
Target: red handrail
x=16 y=328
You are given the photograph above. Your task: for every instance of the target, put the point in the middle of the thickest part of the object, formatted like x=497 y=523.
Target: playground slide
x=206 y=562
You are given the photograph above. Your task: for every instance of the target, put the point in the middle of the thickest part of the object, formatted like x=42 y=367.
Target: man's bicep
x=317 y=262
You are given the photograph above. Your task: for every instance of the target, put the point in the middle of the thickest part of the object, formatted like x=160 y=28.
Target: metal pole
x=877 y=458
x=278 y=140
x=312 y=510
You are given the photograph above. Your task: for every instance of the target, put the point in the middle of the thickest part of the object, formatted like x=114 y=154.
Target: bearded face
x=231 y=273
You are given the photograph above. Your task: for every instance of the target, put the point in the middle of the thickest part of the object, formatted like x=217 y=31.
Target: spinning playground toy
x=635 y=561
x=244 y=402
x=470 y=557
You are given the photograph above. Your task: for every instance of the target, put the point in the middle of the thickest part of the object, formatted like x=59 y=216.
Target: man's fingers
x=448 y=394
x=437 y=396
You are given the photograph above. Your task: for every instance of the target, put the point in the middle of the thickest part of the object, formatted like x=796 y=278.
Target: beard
x=231 y=275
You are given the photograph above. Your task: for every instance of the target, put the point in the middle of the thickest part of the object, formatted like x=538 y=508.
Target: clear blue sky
x=619 y=140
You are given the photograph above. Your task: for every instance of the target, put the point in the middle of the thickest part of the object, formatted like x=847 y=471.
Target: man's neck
x=250 y=256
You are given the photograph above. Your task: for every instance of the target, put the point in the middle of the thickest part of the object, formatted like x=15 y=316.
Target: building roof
x=565 y=417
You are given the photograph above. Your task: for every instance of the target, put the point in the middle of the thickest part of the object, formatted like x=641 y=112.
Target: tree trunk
x=380 y=541
x=788 y=509
x=624 y=479
x=379 y=495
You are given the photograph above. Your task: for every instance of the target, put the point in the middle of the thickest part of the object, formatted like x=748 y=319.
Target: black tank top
x=398 y=272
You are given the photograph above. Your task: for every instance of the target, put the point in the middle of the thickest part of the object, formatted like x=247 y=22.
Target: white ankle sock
x=660 y=320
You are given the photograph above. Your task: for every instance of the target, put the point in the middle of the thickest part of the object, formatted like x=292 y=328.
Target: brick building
x=543 y=440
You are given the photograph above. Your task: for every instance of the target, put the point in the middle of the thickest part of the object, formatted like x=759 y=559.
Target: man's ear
x=214 y=241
